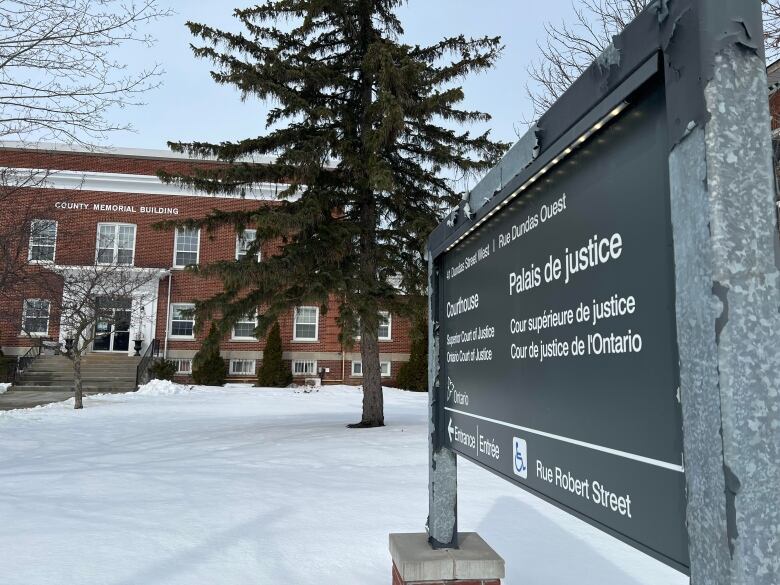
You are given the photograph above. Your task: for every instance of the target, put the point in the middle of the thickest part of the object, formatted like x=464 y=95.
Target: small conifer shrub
x=273 y=373
x=208 y=367
x=163 y=369
x=413 y=375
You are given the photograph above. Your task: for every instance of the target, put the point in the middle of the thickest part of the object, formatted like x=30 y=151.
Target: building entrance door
x=112 y=328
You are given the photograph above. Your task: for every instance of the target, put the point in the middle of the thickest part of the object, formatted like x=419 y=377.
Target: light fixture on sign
x=556 y=160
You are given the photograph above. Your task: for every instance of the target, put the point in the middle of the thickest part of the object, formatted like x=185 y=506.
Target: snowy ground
x=4 y=387
x=246 y=486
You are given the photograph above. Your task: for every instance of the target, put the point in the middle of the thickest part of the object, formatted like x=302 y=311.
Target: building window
x=306 y=325
x=183 y=321
x=385 y=329
x=384 y=369
x=183 y=367
x=116 y=243
x=243 y=242
x=244 y=329
x=242 y=367
x=43 y=240
x=187 y=247
x=304 y=367
x=36 y=317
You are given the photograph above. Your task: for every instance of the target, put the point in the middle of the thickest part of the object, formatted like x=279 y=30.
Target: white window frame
x=171 y=309
x=32 y=238
x=24 y=319
x=176 y=249
x=389 y=326
x=234 y=361
x=179 y=370
x=116 y=226
x=316 y=324
x=382 y=365
x=242 y=253
x=248 y=319
x=312 y=373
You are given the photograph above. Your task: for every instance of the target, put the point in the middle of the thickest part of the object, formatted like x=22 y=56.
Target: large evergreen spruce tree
x=364 y=129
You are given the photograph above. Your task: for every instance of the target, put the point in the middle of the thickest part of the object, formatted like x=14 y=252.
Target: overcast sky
x=190 y=106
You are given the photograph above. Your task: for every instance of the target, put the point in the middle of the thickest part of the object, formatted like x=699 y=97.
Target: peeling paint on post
x=443 y=470
x=725 y=235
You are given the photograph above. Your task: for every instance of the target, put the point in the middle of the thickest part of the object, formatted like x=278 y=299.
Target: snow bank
x=163 y=388
x=240 y=486
x=4 y=388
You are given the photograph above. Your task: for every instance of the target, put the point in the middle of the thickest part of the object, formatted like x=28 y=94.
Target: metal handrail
x=142 y=371
x=25 y=361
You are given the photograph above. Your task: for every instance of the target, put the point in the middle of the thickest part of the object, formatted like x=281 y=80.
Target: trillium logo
x=520 y=457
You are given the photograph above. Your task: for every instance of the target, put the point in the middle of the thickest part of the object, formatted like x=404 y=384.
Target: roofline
x=133 y=184
x=140 y=153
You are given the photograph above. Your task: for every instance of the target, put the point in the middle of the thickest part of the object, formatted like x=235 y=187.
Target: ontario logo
x=520 y=457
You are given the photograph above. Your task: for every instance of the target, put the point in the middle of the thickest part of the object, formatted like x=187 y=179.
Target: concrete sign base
x=415 y=562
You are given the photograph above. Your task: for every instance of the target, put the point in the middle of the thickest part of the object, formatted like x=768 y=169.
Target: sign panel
x=558 y=342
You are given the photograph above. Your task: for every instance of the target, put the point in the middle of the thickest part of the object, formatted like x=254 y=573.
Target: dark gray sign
x=558 y=345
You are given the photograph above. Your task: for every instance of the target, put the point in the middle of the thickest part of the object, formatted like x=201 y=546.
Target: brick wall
x=76 y=245
x=97 y=162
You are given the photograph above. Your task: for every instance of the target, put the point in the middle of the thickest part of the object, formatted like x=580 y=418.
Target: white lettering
x=115 y=208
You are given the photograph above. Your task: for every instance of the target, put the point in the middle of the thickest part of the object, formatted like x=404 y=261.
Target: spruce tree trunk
x=77 y=382
x=373 y=401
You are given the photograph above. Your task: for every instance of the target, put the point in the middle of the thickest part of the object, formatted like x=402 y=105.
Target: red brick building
x=100 y=207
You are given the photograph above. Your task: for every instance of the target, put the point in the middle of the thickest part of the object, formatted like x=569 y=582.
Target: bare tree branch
x=58 y=80
x=83 y=296
x=18 y=228
x=570 y=48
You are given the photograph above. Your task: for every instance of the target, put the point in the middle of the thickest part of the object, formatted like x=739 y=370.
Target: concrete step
x=92 y=358
x=99 y=373
x=93 y=373
x=66 y=388
x=67 y=381
x=69 y=368
x=42 y=364
x=31 y=375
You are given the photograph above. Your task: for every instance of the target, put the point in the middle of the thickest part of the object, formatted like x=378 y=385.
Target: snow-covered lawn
x=257 y=486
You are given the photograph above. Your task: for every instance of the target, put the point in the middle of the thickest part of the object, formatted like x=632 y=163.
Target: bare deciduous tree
x=570 y=48
x=93 y=295
x=771 y=28
x=58 y=78
x=18 y=227
x=58 y=81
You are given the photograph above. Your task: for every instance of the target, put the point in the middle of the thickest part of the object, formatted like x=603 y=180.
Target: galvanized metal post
x=443 y=471
x=727 y=296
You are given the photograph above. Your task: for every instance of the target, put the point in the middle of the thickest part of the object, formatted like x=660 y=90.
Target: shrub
x=208 y=367
x=6 y=367
x=413 y=375
x=272 y=372
x=163 y=369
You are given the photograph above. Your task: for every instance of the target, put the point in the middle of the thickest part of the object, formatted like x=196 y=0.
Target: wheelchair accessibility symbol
x=520 y=458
